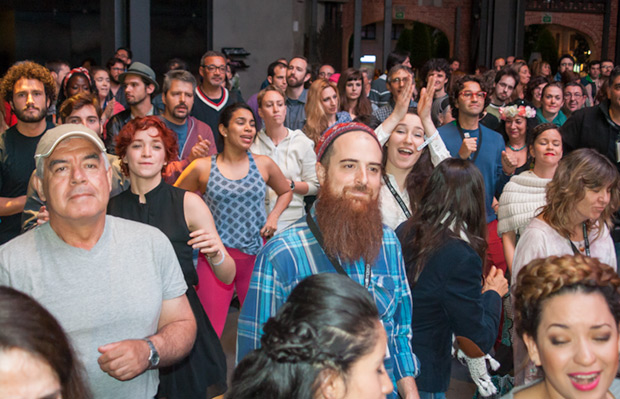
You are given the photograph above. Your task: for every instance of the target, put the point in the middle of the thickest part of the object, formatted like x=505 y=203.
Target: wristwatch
x=292 y=185
x=153 y=356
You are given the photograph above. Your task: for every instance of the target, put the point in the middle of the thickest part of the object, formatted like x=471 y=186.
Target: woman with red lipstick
x=567 y=313
x=292 y=150
x=322 y=109
x=233 y=184
x=552 y=100
x=524 y=194
x=580 y=201
x=144 y=146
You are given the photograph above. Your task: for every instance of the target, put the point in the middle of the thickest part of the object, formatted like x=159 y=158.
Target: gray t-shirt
x=110 y=293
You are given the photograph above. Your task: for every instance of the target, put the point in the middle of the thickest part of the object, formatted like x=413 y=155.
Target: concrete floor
x=461 y=387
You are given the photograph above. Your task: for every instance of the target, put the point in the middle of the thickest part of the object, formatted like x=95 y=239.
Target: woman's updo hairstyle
x=327 y=324
x=543 y=279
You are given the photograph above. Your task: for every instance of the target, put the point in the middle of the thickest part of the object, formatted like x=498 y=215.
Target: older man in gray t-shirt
x=114 y=285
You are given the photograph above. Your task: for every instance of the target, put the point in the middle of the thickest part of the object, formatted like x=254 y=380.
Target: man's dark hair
x=458 y=86
x=113 y=61
x=181 y=65
x=575 y=84
x=211 y=53
x=435 y=64
x=570 y=57
x=507 y=71
x=592 y=63
x=396 y=57
x=28 y=70
x=55 y=65
x=271 y=69
x=308 y=66
x=129 y=53
x=613 y=75
x=454 y=59
x=399 y=67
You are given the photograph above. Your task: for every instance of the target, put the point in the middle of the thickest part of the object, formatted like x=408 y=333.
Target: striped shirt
x=293 y=255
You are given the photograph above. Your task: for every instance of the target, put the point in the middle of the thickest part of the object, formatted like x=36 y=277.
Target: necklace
x=517 y=149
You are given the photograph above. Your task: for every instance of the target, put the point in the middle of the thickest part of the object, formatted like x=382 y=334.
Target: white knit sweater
x=521 y=200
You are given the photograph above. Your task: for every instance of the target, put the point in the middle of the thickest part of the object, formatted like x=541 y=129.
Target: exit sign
x=546 y=18
x=399 y=15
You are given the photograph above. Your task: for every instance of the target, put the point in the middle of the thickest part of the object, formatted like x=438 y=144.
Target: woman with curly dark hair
x=567 y=311
x=326 y=341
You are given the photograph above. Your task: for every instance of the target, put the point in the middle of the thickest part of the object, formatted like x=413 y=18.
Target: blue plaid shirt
x=293 y=255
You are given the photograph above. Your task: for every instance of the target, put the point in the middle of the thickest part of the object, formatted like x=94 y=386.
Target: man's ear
x=270 y=79
x=307 y=77
x=38 y=186
x=150 y=88
x=320 y=172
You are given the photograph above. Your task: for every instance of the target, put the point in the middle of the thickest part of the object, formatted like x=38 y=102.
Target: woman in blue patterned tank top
x=233 y=184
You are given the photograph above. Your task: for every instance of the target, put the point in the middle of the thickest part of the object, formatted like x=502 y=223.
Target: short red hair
x=128 y=132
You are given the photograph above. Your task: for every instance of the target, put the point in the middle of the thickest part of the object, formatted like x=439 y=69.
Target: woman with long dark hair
x=444 y=245
x=326 y=341
x=352 y=97
x=36 y=357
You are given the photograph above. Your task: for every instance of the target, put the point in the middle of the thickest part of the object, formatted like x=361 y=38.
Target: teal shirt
x=559 y=119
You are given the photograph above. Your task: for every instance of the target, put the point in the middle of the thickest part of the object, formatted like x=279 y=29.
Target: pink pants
x=495 y=250
x=214 y=295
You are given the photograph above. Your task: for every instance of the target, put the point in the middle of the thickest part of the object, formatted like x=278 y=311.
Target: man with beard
x=212 y=96
x=115 y=67
x=296 y=95
x=29 y=89
x=342 y=234
x=505 y=82
x=467 y=138
x=139 y=84
x=195 y=138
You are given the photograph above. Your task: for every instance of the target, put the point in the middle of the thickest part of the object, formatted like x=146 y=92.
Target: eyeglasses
x=481 y=95
x=213 y=68
x=398 y=80
x=505 y=86
x=573 y=95
x=118 y=69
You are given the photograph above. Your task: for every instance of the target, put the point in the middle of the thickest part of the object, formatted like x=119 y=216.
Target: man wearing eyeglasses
x=116 y=67
x=211 y=95
x=467 y=138
x=505 y=82
x=397 y=79
x=574 y=98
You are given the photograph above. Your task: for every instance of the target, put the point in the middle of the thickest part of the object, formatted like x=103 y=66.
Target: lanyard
x=479 y=140
x=334 y=261
x=397 y=197
x=586 y=242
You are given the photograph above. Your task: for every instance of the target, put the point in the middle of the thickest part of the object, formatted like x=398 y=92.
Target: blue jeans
x=432 y=395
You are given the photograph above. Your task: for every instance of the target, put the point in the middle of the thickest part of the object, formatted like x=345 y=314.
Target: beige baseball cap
x=54 y=136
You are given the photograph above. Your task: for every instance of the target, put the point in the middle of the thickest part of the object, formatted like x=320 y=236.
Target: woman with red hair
x=145 y=146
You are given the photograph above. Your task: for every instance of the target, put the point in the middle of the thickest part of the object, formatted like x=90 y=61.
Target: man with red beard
x=29 y=88
x=343 y=234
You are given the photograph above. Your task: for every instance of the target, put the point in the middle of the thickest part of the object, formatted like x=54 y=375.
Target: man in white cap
x=114 y=285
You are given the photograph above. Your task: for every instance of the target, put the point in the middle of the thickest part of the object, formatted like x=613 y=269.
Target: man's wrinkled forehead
x=88 y=149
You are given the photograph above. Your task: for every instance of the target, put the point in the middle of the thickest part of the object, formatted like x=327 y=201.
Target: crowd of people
x=369 y=230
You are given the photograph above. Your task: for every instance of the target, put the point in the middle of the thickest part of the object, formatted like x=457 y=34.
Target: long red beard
x=352 y=229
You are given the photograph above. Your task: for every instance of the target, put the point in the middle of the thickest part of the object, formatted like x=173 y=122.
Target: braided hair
x=327 y=324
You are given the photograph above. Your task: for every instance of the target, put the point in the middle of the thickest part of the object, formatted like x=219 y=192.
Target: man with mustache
x=139 y=84
x=343 y=233
x=195 y=137
x=30 y=89
x=114 y=285
x=212 y=96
